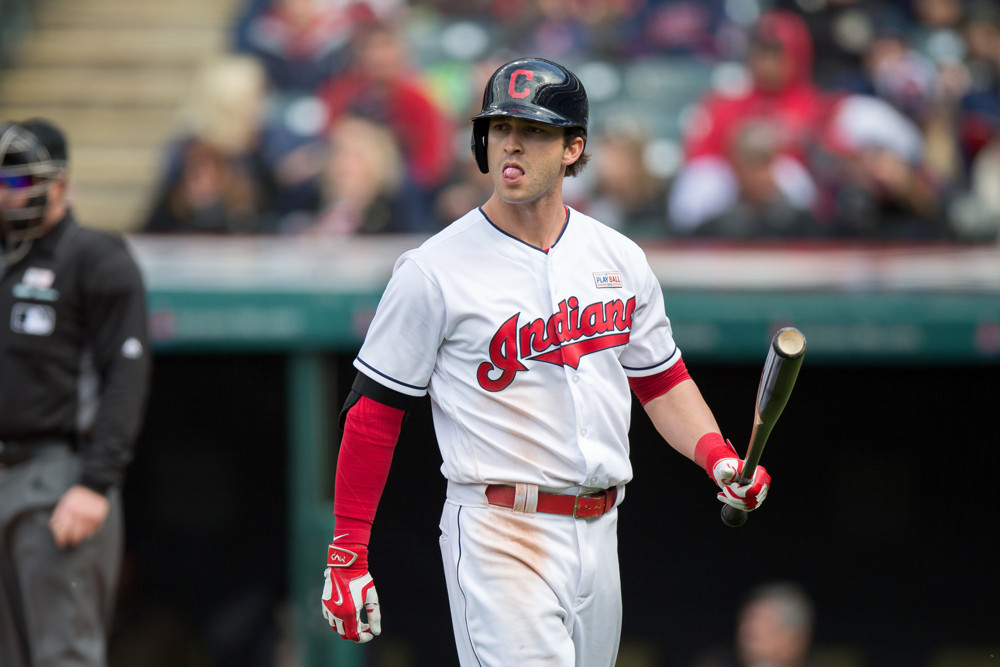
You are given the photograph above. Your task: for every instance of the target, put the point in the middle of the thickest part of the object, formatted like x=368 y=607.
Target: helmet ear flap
x=532 y=89
x=480 y=128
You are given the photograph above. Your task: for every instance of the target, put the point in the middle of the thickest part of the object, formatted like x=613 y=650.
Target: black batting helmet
x=534 y=89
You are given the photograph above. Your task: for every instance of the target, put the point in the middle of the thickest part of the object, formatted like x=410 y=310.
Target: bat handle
x=731 y=516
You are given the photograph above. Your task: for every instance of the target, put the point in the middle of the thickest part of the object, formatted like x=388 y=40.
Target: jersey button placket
x=572 y=374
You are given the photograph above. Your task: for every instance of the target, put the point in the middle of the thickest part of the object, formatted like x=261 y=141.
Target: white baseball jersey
x=526 y=354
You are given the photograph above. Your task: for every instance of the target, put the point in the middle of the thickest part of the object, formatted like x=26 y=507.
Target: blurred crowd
x=720 y=119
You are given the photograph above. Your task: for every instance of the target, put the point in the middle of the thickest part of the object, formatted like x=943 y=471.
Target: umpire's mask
x=32 y=157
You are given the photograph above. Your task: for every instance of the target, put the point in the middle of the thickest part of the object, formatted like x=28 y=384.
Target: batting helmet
x=534 y=89
x=32 y=155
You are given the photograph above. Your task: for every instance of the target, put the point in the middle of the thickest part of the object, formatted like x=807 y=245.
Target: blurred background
x=832 y=164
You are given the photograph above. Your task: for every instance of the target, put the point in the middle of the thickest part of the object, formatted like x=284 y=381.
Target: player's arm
x=675 y=405
x=680 y=414
x=403 y=338
x=371 y=420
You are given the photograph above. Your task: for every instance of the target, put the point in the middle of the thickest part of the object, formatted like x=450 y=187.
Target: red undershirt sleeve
x=649 y=387
x=371 y=430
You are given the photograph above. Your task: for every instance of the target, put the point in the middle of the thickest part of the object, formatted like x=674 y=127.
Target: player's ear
x=573 y=150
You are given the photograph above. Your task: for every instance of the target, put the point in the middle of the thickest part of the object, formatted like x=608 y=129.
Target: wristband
x=344 y=557
x=711 y=448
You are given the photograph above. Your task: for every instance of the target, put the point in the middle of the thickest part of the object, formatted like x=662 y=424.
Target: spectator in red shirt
x=779 y=93
x=384 y=85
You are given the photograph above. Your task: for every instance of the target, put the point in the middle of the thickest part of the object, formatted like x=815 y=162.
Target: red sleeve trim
x=649 y=387
x=710 y=448
x=371 y=430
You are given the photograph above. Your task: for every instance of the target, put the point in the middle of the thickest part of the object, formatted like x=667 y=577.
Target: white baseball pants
x=532 y=589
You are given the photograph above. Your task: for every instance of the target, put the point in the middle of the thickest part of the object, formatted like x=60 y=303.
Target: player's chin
x=516 y=194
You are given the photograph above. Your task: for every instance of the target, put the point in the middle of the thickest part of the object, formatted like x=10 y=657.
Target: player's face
x=527 y=158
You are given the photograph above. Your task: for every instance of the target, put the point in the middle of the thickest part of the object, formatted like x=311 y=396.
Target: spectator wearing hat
x=780 y=93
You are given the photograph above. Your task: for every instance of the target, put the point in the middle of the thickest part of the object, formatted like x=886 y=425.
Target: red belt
x=580 y=507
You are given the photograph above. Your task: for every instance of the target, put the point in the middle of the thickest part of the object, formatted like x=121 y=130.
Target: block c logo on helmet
x=533 y=88
x=513 y=90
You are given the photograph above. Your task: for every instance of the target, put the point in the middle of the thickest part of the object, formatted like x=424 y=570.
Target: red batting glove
x=347 y=590
x=725 y=466
x=747 y=496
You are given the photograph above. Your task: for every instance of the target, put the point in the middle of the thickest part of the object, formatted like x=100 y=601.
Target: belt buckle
x=598 y=494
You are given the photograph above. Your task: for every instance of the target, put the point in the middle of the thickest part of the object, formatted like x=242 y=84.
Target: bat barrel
x=788 y=347
x=781 y=369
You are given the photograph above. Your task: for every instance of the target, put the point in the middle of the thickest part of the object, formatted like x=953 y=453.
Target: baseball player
x=528 y=323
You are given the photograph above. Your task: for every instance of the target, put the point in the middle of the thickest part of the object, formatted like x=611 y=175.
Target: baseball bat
x=776 y=381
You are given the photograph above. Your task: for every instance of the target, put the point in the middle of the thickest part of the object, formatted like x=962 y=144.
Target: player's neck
x=538 y=223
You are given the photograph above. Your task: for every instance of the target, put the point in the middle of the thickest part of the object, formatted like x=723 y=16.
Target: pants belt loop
x=525 y=498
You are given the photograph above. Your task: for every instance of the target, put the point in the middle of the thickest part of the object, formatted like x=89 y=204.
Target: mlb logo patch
x=33 y=319
x=607 y=279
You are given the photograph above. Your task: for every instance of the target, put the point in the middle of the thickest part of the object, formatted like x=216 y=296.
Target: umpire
x=74 y=377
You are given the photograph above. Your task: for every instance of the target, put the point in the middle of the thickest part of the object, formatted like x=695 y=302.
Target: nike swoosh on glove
x=347 y=590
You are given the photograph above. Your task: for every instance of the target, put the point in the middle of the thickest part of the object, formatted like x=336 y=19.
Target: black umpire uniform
x=74 y=376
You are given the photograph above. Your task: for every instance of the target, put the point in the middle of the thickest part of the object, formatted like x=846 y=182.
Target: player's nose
x=513 y=142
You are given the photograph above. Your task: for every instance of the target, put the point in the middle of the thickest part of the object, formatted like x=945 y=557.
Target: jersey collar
x=511 y=236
